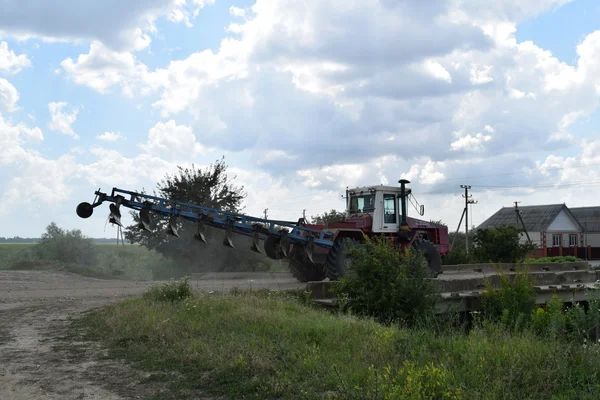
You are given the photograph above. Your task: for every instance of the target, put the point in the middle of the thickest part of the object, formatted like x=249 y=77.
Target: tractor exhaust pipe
x=403 y=221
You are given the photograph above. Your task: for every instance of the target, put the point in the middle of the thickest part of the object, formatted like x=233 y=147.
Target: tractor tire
x=307 y=272
x=336 y=263
x=431 y=254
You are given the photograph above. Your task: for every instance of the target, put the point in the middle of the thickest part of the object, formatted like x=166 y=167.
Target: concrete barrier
x=511 y=267
x=477 y=281
x=461 y=285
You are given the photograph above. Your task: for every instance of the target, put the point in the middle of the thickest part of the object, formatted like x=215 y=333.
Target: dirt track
x=37 y=358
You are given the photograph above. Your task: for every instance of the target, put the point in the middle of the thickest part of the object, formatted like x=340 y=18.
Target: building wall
x=563 y=223
x=564 y=240
x=593 y=239
x=562 y=228
x=535 y=238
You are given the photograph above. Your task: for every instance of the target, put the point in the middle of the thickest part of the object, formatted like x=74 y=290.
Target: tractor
x=371 y=211
x=315 y=252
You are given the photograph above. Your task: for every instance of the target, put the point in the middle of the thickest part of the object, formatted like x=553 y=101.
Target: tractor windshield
x=362 y=204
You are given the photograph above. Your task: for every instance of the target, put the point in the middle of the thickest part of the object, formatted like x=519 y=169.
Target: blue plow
x=275 y=233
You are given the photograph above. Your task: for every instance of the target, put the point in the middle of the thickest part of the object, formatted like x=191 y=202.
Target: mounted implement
x=315 y=252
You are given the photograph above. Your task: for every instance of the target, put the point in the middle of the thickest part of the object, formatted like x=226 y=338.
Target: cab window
x=389 y=209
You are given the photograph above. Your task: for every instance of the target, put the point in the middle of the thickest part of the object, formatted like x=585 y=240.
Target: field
x=112 y=260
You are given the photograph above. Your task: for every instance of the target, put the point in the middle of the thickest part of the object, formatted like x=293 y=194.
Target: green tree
x=210 y=188
x=500 y=244
x=328 y=216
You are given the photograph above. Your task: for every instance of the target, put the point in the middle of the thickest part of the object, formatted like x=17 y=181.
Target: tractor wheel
x=431 y=254
x=307 y=272
x=336 y=264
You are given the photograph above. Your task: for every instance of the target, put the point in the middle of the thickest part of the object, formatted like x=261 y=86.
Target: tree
x=500 y=244
x=328 y=216
x=209 y=188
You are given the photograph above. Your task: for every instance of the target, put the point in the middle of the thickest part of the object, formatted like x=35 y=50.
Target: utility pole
x=468 y=201
x=304 y=214
x=265 y=213
x=520 y=219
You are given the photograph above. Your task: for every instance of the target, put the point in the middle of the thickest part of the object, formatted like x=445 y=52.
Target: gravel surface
x=38 y=359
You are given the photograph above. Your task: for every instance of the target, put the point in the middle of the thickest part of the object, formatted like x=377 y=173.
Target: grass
x=267 y=344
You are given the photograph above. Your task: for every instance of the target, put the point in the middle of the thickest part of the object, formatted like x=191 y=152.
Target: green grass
x=270 y=345
x=6 y=248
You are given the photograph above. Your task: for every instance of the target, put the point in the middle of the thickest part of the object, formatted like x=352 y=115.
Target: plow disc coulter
x=315 y=252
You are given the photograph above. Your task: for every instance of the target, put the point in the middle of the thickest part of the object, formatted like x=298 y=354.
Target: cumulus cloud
x=12 y=139
x=291 y=85
x=172 y=142
x=109 y=136
x=62 y=118
x=122 y=26
x=103 y=68
x=9 y=96
x=10 y=62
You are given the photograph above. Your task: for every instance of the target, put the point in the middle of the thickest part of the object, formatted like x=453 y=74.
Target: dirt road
x=38 y=360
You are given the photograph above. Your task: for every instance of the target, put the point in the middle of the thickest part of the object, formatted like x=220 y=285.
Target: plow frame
x=231 y=222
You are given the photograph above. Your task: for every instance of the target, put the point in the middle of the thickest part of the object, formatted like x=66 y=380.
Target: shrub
x=500 y=244
x=174 y=290
x=513 y=301
x=556 y=259
x=72 y=247
x=383 y=284
x=458 y=256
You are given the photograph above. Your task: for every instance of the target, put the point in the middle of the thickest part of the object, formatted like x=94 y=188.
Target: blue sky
x=302 y=98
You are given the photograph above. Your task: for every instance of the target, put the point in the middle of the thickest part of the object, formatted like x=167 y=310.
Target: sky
x=302 y=98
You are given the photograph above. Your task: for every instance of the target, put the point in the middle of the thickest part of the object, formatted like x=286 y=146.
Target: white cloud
x=109 y=136
x=9 y=96
x=113 y=169
x=12 y=139
x=172 y=142
x=185 y=10
x=61 y=119
x=122 y=26
x=103 y=68
x=10 y=62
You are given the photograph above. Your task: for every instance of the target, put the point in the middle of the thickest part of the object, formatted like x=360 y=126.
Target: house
x=554 y=228
x=589 y=218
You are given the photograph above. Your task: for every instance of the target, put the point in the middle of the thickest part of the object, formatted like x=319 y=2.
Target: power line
x=520 y=173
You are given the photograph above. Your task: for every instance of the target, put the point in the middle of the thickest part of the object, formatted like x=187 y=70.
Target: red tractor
x=371 y=211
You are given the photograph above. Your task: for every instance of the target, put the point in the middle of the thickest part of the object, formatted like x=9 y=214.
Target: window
x=360 y=204
x=557 y=240
x=573 y=240
x=389 y=209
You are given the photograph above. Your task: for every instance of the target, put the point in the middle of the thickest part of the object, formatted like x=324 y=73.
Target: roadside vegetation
x=69 y=250
x=383 y=342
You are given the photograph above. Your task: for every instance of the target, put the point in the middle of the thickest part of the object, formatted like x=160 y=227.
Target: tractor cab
x=384 y=205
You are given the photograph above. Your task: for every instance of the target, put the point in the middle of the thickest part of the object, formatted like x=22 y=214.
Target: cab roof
x=366 y=189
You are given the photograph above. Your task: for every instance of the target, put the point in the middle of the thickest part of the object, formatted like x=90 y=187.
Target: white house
x=555 y=229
